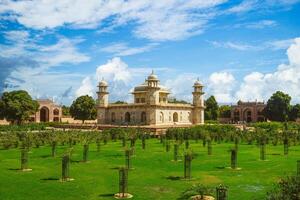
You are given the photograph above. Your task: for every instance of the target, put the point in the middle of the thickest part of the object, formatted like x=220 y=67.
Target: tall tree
x=294 y=112
x=65 y=110
x=1 y=109
x=278 y=106
x=83 y=108
x=225 y=111
x=211 y=110
x=17 y=106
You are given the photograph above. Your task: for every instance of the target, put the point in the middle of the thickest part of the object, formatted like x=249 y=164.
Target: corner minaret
x=102 y=102
x=153 y=95
x=198 y=103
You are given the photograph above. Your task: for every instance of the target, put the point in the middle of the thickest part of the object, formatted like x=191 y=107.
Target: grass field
x=98 y=179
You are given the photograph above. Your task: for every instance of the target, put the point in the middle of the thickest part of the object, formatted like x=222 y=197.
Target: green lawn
x=98 y=179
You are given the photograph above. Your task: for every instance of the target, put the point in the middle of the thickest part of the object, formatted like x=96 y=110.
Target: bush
x=286 y=188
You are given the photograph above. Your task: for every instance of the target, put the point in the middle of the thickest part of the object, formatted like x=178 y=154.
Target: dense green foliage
x=17 y=106
x=294 y=112
x=278 y=106
x=211 y=110
x=83 y=108
x=66 y=110
x=286 y=188
x=225 y=111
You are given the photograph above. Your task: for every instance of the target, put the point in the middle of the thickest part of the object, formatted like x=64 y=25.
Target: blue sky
x=239 y=49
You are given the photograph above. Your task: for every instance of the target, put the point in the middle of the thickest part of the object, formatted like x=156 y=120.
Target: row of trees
x=278 y=108
x=17 y=107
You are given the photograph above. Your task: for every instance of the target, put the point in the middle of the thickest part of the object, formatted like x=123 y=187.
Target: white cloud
x=120 y=77
x=21 y=43
x=115 y=70
x=221 y=85
x=280 y=44
x=180 y=19
x=244 y=6
x=286 y=78
x=86 y=88
x=261 y=24
x=122 y=49
x=181 y=86
x=233 y=45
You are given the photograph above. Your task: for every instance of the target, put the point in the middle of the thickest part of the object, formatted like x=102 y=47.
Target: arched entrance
x=44 y=114
x=143 y=117
x=127 y=117
x=247 y=115
x=175 y=117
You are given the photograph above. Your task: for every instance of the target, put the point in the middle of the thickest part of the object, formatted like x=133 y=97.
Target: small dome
x=152 y=76
x=103 y=83
x=197 y=83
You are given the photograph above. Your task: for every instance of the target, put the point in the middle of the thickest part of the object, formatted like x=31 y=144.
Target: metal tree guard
x=127 y=158
x=167 y=146
x=143 y=142
x=286 y=146
x=233 y=158
x=65 y=168
x=175 y=152
x=209 y=147
x=24 y=159
x=53 y=149
x=85 y=152
x=123 y=182
x=262 y=150
x=221 y=192
x=187 y=165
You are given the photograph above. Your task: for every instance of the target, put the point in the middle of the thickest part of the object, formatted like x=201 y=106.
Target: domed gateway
x=151 y=106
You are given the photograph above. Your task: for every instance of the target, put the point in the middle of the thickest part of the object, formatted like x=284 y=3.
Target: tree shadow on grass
x=75 y=161
x=114 y=155
x=106 y=195
x=220 y=167
x=174 y=178
x=115 y=168
x=14 y=169
x=50 y=179
x=45 y=156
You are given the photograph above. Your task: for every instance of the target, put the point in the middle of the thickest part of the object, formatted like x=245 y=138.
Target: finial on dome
x=152 y=72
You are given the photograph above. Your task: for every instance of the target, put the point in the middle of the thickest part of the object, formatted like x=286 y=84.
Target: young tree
x=278 y=106
x=211 y=111
x=17 y=106
x=83 y=108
